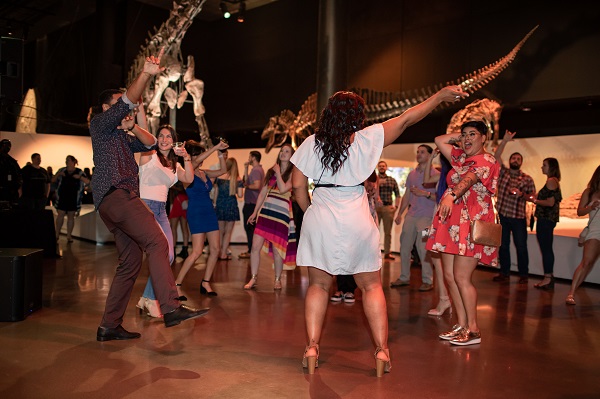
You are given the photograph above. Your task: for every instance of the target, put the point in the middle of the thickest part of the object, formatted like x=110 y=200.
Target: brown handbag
x=486 y=233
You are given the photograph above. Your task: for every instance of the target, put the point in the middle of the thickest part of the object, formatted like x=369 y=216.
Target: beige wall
x=577 y=155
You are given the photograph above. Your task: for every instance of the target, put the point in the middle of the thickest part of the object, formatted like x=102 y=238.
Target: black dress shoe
x=182 y=313
x=117 y=333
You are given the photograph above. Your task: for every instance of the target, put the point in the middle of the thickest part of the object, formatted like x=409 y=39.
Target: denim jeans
x=247 y=210
x=518 y=227
x=160 y=214
x=545 y=236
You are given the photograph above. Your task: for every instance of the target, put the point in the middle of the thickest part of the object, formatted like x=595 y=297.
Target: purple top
x=256 y=174
x=113 y=152
x=420 y=206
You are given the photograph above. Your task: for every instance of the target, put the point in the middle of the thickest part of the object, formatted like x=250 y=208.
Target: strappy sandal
x=311 y=362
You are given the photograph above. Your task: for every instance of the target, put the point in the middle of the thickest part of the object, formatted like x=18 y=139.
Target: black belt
x=336 y=185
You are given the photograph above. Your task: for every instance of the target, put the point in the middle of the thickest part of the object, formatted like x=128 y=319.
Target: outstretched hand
x=452 y=94
x=152 y=64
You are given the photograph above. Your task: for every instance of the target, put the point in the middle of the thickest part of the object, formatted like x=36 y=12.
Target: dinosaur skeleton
x=169 y=35
x=381 y=105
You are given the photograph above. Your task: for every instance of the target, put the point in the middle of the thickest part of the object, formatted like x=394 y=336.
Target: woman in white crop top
x=159 y=170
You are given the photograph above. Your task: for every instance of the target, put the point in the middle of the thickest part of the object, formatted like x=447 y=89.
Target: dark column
x=109 y=74
x=332 y=55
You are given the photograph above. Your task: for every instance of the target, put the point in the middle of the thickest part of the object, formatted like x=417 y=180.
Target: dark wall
x=257 y=69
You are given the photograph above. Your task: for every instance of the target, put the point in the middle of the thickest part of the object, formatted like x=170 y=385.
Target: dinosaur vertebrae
x=384 y=105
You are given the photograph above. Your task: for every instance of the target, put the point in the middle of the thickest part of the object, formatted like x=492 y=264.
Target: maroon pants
x=136 y=232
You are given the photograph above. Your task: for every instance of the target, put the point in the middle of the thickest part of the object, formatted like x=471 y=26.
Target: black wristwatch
x=452 y=193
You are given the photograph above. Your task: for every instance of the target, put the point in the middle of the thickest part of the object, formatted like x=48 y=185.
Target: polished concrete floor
x=251 y=343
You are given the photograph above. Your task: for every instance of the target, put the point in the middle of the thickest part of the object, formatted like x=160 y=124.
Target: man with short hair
x=115 y=138
x=421 y=203
x=36 y=185
x=514 y=187
x=253 y=183
x=386 y=212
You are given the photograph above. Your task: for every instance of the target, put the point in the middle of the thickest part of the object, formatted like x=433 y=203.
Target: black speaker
x=20 y=282
x=11 y=80
x=11 y=68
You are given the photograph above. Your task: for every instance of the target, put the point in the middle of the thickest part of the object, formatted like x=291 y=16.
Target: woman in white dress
x=589 y=204
x=339 y=157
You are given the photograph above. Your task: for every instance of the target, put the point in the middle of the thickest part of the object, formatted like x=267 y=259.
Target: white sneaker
x=337 y=297
x=349 y=297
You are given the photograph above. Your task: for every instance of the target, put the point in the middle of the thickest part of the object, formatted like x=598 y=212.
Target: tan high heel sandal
x=382 y=366
x=252 y=283
x=311 y=362
x=443 y=305
x=277 y=285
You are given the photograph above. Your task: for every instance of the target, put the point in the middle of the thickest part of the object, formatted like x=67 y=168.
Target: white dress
x=339 y=235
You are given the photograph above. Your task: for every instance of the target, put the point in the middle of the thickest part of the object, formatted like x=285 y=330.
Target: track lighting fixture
x=241 y=12
x=223 y=7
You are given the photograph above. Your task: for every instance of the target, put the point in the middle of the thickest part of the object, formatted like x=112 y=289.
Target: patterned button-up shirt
x=113 y=152
x=511 y=205
x=387 y=186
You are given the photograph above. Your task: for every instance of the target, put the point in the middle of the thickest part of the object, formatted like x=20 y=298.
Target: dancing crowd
x=437 y=213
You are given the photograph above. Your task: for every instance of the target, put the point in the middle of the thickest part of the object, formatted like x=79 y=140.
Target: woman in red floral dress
x=471 y=186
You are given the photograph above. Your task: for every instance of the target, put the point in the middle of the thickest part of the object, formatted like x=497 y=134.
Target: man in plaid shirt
x=385 y=213
x=514 y=187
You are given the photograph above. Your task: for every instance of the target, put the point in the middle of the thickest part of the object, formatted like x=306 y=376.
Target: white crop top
x=155 y=180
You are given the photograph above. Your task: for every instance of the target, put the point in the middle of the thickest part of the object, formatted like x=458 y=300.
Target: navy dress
x=201 y=214
x=227 y=205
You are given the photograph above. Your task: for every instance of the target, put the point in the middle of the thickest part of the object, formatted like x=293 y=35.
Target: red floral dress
x=453 y=236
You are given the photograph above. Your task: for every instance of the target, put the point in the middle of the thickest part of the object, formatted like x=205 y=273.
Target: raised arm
x=222 y=168
x=446 y=142
x=185 y=174
x=394 y=127
x=151 y=68
x=427 y=176
x=508 y=136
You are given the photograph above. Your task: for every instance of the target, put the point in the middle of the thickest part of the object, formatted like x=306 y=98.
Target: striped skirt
x=275 y=224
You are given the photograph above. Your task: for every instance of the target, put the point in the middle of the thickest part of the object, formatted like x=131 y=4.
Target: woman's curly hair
x=343 y=115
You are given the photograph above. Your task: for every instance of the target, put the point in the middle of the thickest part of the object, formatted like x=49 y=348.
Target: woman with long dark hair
x=275 y=229
x=589 y=204
x=472 y=183
x=339 y=235
x=547 y=212
x=159 y=170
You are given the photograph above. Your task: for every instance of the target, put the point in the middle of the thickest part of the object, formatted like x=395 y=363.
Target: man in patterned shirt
x=513 y=187
x=385 y=213
x=115 y=137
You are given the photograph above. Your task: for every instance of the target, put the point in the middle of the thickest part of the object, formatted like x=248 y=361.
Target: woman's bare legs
x=375 y=309
x=257 y=243
x=440 y=286
x=60 y=217
x=70 y=224
x=591 y=251
x=197 y=247
x=315 y=306
x=448 y=266
x=225 y=229
x=278 y=261
x=214 y=243
x=463 y=273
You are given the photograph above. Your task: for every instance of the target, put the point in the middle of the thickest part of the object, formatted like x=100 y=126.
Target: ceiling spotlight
x=223 y=7
x=241 y=12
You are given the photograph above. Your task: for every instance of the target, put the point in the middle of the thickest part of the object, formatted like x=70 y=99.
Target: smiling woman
x=472 y=182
